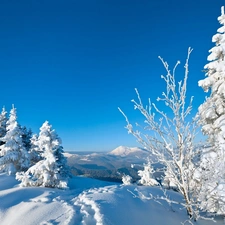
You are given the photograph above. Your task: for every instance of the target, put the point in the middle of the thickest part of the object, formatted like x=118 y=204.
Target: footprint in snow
x=88 y=212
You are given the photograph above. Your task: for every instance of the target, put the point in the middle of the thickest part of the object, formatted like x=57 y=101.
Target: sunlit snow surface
x=86 y=202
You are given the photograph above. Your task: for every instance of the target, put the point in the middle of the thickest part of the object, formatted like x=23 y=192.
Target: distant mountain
x=108 y=165
x=124 y=151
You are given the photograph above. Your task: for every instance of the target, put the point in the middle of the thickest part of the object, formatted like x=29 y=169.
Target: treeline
x=36 y=160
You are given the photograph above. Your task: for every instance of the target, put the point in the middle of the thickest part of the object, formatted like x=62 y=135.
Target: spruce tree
x=212 y=119
x=3 y=120
x=14 y=156
x=35 y=153
x=26 y=137
x=52 y=170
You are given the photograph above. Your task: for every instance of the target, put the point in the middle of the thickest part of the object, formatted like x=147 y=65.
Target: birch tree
x=170 y=140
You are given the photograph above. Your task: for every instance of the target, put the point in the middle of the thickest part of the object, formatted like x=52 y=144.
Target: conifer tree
x=26 y=137
x=3 y=120
x=14 y=156
x=35 y=153
x=212 y=111
x=52 y=170
x=212 y=119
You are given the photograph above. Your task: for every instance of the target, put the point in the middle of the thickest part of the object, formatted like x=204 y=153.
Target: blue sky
x=74 y=62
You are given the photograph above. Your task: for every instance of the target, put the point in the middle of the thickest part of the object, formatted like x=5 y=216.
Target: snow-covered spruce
x=34 y=151
x=212 y=119
x=171 y=140
x=26 y=137
x=52 y=170
x=147 y=176
x=3 y=120
x=14 y=156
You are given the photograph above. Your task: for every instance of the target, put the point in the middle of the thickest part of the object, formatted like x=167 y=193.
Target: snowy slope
x=87 y=202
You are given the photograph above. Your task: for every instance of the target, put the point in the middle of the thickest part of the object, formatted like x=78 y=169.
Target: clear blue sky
x=74 y=62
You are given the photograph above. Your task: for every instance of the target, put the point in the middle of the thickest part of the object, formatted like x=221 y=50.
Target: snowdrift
x=88 y=202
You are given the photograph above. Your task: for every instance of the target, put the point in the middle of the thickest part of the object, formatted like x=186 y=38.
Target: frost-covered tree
x=52 y=170
x=26 y=137
x=212 y=119
x=169 y=180
x=169 y=134
x=146 y=175
x=14 y=156
x=35 y=152
x=212 y=111
x=3 y=120
x=126 y=179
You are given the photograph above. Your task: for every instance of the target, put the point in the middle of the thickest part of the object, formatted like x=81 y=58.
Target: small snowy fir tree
x=52 y=170
x=14 y=156
x=147 y=176
x=3 y=120
x=212 y=119
x=126 y=179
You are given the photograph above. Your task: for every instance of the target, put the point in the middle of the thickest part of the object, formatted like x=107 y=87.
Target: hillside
x=109 y=165
x=87 y=202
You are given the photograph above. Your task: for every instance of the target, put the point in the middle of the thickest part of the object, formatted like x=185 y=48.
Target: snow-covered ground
x=87 y=202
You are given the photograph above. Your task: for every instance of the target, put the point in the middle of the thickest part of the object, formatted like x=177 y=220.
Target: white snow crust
x=87 y=202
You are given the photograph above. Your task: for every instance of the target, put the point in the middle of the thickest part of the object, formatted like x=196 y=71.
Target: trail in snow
x=86 y=202
x=47 y=206
x=89 y=211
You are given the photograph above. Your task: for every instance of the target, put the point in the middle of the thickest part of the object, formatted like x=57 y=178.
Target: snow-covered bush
x=212 y=119
x=147 y=176
x=14 y=156
x=52 y=170
x=169 y=181
x=169 y=135
x=126 y=179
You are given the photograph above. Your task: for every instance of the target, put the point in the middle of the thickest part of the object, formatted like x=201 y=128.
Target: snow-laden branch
x=170 y=139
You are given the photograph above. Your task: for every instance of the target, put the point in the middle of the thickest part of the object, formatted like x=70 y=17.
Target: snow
x=51 y=171
x=88 y=202
x=125 y=151
x=212 y=117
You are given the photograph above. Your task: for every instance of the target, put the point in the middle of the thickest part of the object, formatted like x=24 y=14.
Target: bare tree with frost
x=170 y=140
x=212 y=119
